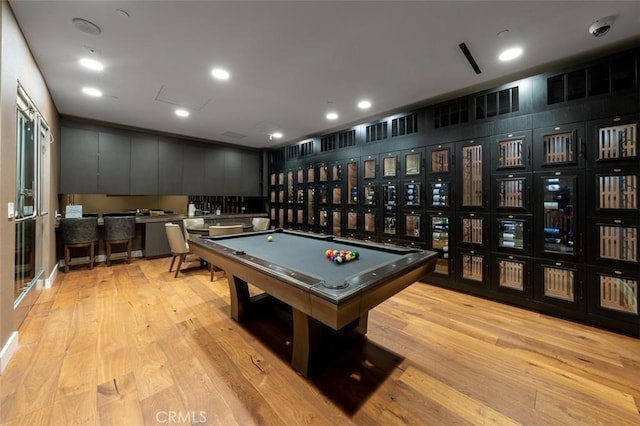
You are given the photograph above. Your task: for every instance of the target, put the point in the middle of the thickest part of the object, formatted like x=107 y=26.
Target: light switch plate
x=11 y=210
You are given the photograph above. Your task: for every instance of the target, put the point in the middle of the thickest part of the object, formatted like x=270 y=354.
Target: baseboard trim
x=8 y=350
x=48 y=282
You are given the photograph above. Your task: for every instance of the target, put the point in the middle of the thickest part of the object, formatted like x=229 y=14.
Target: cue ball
x=269 y=238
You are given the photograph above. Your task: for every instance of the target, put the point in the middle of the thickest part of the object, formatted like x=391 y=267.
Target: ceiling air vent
x=233 y=135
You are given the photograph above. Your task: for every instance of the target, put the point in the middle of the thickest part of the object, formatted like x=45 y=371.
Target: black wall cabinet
x=528 y=191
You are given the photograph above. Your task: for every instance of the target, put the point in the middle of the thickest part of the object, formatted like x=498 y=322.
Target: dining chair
x=216 y=230
x=179 y=247
x=81 y=232
x=197 y=222
x=119 y=230
x=260 y=223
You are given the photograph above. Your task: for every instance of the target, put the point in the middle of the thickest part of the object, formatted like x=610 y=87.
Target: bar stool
x=119 y=230
x=79 y=232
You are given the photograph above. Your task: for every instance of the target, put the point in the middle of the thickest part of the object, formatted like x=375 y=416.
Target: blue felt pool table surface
x=293 y=254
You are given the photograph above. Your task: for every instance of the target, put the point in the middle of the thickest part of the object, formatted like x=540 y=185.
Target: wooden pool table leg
x=307 y=333
x=240 y=298
x=362 y=324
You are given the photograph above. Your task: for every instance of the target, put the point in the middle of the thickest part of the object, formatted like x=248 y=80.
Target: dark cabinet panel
x=214 y=171
x=193 y=178
x=232 y=172
x=114 y=163
x=250 y=182
x=78 y=161
x=144 y=165
x=156 y=243
x=170 y=163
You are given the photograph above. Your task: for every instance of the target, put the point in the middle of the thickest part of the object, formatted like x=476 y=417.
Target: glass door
x=31 y=132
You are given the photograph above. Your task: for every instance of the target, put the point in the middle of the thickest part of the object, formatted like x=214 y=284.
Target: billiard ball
x=269 y=238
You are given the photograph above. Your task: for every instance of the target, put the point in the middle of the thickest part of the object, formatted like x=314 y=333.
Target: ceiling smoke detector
x=601 y=26
x=86 y=26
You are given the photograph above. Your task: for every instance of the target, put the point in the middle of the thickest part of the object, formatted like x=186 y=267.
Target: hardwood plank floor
x=129 y=344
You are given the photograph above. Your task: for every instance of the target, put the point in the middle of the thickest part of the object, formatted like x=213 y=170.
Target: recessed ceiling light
x=510 y=54
x=276 y=135
x=332 y=116
x=364 y=104
x=91 y=91
x=92 y=64
x=220 y=74
x=182 y=113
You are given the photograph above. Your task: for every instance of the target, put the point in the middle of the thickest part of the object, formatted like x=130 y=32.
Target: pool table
x=293 y=268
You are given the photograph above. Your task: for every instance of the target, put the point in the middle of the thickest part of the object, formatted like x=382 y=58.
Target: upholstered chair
x=215 y=230
x=79 y=232
x=119 y=230
x=195 y=222
x=260 y=223
x=178 y=245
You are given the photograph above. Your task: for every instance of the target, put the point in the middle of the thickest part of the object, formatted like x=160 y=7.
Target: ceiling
x=291 y=62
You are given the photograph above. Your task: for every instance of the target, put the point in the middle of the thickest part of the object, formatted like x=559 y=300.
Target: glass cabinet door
x=336 y=220
x=440 y=161
x=323 y=173
x=369 y=195
x=412 y=225
x=439 y=242
x=412 y=163
x=511 y=151
x=352 y=221
x=472 y=267
x=369 y=168
x=336 y=195
x=290 y=187
x=323 y=218
x=512 y=192
x=310 y=206
x=352 y=182
x=558 y=146
x=390 y=166
x=439 y=194
x=336 y=172
x=389 y=202
x=615 y=140
x=472 y=181
x=560 y=283
x=323 y=195
x=617 y=191
x=369 y=221
x=412 y=191
x=511 y=234
x=616 y=241
x=559 y=215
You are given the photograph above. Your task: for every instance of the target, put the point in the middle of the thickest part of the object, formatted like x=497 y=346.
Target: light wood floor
x=129 y=344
